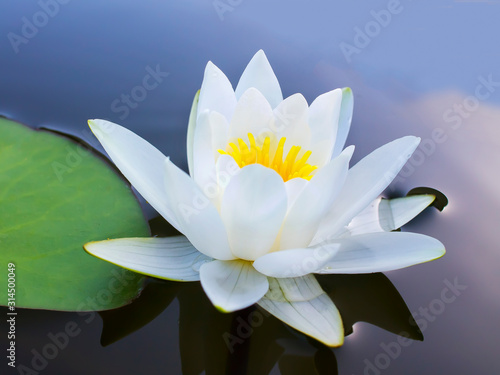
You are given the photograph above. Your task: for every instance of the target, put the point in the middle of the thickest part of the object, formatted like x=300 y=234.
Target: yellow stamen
x=245 y=154
x=265 y=152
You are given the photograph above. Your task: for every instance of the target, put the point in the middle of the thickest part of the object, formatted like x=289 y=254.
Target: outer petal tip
x=102 y=127
x=260 y=54
x=92 y=124
x=210 y=66
x=213 y=71
x=302 y=304
x=440 y=252
x=232 y=285
x=260 y=74
x=333 y=95
x=349 y=151
x=86 y=246
x=414 y=139
x=333 y=342
x=95 y=122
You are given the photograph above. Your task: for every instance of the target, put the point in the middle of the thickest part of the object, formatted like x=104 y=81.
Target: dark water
x=427 y=68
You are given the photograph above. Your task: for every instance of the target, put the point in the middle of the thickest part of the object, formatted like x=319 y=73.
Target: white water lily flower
x=269 y=201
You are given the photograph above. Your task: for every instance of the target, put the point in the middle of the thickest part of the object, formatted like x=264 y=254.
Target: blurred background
x=426 y=68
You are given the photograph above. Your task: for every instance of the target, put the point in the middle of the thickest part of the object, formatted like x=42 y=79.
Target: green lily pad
x=56 y=195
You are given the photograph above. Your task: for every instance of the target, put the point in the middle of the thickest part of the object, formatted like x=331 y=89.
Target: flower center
x=288 y=168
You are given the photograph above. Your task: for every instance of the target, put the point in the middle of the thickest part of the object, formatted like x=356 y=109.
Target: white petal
x=365 y=181
x=139 y=161
x=293 y=189
x=291 y=121
x=253 y=207
x=345 y=119
x=232 y=285
x=321 y=152
x=220 y=129
x=193 y=115
x=295 y=262
x=301 y=303
x=323 y=120
x=216 y=92
x=253 y=114
x=225 y=169
x=383 y=251
x=260 y=75
x=394 y=213
x=302 y=220
x=388 y=214
x=170 y=258
x=198 y=218
x=203 y=156
x=211 y=135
